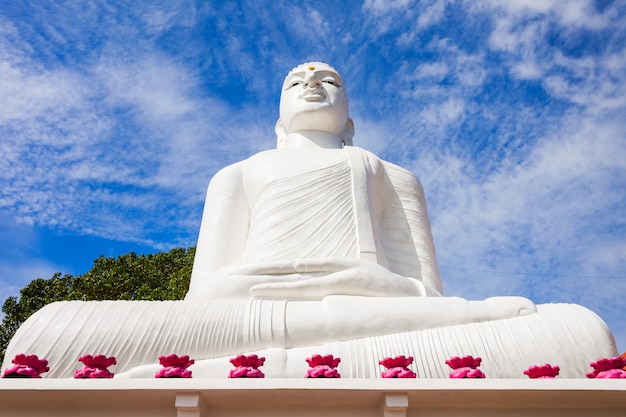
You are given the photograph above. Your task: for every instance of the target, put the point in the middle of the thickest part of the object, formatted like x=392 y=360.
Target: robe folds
x=346 y=204
x=138 y=332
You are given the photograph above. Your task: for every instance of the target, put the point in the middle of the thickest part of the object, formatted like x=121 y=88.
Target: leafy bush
x=159 y=276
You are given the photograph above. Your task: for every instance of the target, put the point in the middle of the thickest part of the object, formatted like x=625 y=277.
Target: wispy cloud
x=84 y=150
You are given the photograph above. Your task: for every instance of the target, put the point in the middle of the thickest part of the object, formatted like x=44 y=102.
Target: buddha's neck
x=313 y=139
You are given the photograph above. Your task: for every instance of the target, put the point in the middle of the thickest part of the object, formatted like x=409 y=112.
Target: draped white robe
x=356 y=206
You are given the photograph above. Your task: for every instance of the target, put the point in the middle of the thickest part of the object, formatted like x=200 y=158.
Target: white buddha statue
x=314 y=217
x=316 y=247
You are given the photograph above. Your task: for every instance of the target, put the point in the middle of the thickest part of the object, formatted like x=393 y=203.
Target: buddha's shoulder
x=237 y=168
x=228 y=174
x=401 y=178
x=280 y=157
x=396 y=170
x=262 y=156
x=392 y=170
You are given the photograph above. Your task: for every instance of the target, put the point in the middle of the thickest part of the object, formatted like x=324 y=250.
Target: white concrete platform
x=321 y=397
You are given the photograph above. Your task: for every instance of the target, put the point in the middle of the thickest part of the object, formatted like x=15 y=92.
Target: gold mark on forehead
x=311 y=67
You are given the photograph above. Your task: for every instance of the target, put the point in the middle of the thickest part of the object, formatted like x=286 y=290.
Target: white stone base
x=320 y=397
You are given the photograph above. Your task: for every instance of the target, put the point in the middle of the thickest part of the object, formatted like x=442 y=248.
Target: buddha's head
x=313 y=98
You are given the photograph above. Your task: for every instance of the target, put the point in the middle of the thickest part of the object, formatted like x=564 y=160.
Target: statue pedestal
x=312 y=397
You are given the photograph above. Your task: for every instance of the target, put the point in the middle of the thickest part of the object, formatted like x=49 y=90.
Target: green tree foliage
x=159 y=276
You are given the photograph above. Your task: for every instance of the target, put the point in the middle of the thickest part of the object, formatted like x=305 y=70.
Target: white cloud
x=595 y=83
x=87 y=150
x=27 y=90
x=576 y=13
x=159 y=17
x=522 y=29
x=550 y=228
x=385 y=15
x=432 y=13
x=431 y=69
x=381 y=6
x=471 y=70
x=317 y=21
x=308 y=25
x=443 y=114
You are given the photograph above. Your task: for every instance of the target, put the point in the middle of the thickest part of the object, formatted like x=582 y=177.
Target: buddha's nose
x=312 y=82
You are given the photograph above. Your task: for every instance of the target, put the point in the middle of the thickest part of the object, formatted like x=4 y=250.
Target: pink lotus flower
x=247 y=366
x=26 y=366
x=466 y=372
x=95 y=367
x=546 y=371
x=465 y=367
x=608 y=368
x=609 y=374
x=174 y=366
x=322 y=367
x=397 y=367
x=456 y=362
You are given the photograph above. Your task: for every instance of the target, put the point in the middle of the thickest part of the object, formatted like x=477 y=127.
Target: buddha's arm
x=405 y=228
x=223 y=230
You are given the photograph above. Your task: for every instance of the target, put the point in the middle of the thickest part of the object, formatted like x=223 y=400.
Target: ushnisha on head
x=314 y=103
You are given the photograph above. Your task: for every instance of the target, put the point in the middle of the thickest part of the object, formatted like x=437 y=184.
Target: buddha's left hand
x=341 y=276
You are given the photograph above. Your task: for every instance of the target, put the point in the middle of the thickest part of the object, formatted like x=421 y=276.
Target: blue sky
x=114 y=116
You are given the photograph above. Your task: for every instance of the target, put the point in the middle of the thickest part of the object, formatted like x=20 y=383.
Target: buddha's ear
x=348 y=133
x=281 y=135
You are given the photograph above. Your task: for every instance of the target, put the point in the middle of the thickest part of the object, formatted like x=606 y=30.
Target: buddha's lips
x=314 y=95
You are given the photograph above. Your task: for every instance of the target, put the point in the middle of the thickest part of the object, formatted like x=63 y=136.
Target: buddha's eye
x=293 y=84
x=332 y=82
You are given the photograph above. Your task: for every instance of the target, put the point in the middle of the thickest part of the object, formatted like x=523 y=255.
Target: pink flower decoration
x=610 y=374
x=174 y=366
x=397 y=367
x=26 y=366
x=247 y=366
x=95 y=367
x=467 y=372
x=546 y=371
x=322 y=367
x=456 y=362
x=465 y=367
x=608 y=368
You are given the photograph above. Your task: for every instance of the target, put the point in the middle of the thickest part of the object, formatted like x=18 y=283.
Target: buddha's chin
x=317 y=116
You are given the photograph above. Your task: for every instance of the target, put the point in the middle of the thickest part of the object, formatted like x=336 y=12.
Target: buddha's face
x=314 y=98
